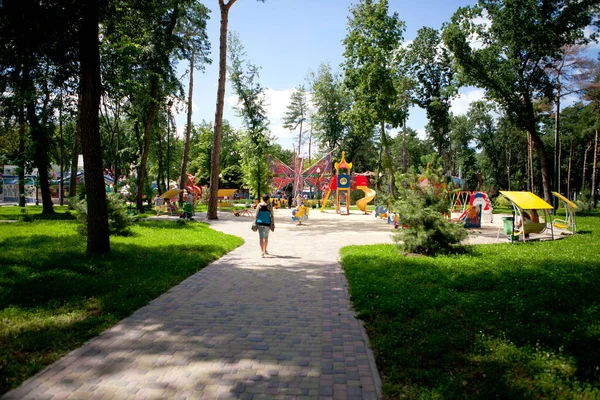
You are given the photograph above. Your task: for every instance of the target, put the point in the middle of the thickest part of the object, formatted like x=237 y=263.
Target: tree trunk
x=300 y=139
x=75 y=154
x=507 y=152
x=22 y=156
x=162 y=51
x=39 y=134
x=160 y=176
x=389 y=159
x=216 y=145
x=188 y=128
x=98 y=240
x=594 y=188
x=116 y=157
x=61 y=192
x=585 y=164
x=556 y=180
x=569 y=172
x=146 y=147
x=404 y=165
x=539 y=146
x=378 y=172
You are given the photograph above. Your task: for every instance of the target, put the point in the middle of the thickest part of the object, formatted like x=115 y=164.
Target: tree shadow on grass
x=59 y=299
x=69 y=274
x=177 y=224
x=144 y=349
x=487 y=327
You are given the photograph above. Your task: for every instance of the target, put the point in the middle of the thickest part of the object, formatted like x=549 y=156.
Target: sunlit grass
x=54 y=297
x=510 y=320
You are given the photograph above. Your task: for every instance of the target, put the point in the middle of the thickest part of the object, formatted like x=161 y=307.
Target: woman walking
x=265 y=221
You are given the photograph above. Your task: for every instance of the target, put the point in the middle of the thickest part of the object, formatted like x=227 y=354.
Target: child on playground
x=158 y=202
x=265 y=221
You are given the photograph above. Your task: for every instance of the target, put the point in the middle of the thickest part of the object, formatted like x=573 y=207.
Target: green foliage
x=119 y=220
x=331 y=101
x=510 y=321
x=432 y=69
x=296 y=113
x=54 y=297
x=371 y=49
x=509 y=56
x=372 y=56
x=255 y=140
x=423 y=207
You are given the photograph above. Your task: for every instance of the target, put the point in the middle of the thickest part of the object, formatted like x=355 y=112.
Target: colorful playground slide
x=325 y=200
x=369 y=195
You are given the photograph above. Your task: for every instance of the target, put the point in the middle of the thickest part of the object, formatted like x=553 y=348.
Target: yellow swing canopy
x=171 y=193
x=529 y=201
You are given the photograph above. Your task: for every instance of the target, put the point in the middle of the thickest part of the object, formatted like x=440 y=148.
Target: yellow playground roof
x=171 y=193
x=568 y=202
x=226 y=192
x=527 y=200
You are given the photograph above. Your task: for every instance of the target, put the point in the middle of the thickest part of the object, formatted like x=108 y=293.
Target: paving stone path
x=245 y=327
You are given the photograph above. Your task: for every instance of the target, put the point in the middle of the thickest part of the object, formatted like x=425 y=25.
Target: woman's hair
x=265 y=198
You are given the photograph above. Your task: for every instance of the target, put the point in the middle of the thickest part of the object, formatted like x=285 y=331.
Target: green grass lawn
x=54 y=297
x=507 y=320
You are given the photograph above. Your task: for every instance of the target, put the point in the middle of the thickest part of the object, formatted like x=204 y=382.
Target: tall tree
x=565 y=73
x=160 y=73
x=371 y=53
x=296 y=114
x=331 y=102
x=251 y=99
x=430 y=64
x=592 y=94
x=98 y=240
x=512 y=52
x=224 y=7
x=193 y=29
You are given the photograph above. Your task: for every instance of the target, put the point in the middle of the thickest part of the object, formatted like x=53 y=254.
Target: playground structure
x=191 y=187
x=343 y=183
x=313 y=177
x=567 y=225
x=472 y=205
x=299 y=214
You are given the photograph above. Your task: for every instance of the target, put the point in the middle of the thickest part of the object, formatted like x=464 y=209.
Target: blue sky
x=289 y=38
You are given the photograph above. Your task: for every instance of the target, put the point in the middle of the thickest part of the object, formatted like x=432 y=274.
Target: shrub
x=119 y=221
x=502 y=202
x=422 y=207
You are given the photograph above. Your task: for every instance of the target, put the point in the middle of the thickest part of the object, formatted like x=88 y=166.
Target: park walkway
x=245 y=327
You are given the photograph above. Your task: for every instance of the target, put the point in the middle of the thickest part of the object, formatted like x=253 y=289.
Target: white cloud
x=593 y=46
x=277 y=102
x=460 y=105
x=421 y=134
x=280 y=132
x=485 y=23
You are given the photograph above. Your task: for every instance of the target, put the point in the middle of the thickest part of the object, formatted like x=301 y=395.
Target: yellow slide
x=369 y=195
x=325 y=200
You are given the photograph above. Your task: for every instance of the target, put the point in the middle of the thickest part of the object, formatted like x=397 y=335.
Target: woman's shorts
x=263 y=231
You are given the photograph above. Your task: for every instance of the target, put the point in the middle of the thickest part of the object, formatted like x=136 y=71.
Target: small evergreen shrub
x=119 y=221
x=422 y=205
